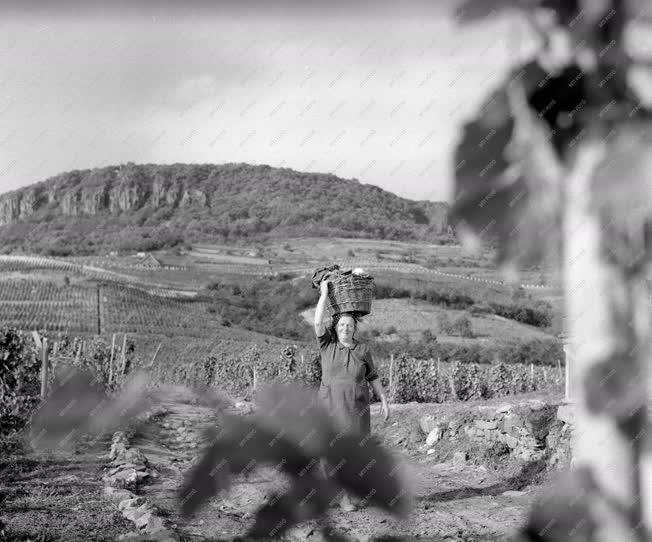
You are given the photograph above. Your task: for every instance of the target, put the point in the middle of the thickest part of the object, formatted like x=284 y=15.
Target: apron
x=344 y=390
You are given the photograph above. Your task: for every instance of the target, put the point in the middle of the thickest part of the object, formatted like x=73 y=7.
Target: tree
x=428 y=336
x=564 y=128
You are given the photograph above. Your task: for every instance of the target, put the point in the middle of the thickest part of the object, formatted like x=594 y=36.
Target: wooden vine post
x=158 y=349
x=568 y=386
x=99 y=311
x=44 y=367
x=111 y=360
x=391 y=377
x=123 y=360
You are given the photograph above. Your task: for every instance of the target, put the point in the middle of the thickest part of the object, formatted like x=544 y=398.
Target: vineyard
x=242 y=369
x=407 y=379
x=106 y=308
x=135 y=276
x=32 y=304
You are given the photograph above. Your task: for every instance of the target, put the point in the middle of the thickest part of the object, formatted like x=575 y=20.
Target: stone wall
x=530 y=430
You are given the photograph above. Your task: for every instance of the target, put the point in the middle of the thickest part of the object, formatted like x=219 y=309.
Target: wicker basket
x=350 y=293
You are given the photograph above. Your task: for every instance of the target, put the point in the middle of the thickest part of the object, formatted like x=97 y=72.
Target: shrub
x=428 y=336
x=463 y=327
x=19 y=377
x=444 y=323
x=481 y=308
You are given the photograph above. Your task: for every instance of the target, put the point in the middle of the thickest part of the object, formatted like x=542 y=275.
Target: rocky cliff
x=230 y=200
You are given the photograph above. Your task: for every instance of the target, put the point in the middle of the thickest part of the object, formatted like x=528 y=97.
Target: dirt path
x=462 y=503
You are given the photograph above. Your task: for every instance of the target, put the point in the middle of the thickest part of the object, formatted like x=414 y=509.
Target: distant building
x=148 y=261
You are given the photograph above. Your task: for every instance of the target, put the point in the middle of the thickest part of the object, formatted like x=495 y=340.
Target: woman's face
x=345 y=328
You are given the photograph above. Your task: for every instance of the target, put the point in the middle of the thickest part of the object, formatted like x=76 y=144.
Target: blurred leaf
x=311 y=425
x=292 y=431
x=616 y=387
x=241 y=441
x=564 y=513
x=304 y=501
x=622 y=193
x=506 y=178
x=79 y=406
x=369 y=471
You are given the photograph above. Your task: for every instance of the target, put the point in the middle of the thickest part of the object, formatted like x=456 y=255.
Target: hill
x=147 y=207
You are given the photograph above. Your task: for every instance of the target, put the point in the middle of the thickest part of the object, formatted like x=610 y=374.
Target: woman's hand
x=384 y=408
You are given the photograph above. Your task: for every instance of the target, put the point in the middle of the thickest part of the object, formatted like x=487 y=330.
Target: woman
x=346 y=367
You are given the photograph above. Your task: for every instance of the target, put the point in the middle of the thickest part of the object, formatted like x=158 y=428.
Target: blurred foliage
x=292 y=432
x=566 y=121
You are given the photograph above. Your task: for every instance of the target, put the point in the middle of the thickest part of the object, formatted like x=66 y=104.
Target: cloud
x=193 y=90
x=376 y=99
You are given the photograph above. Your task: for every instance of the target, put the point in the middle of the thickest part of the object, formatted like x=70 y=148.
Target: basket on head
x=350 y=293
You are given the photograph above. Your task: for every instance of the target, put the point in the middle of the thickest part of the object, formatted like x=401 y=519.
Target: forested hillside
x=145 y=207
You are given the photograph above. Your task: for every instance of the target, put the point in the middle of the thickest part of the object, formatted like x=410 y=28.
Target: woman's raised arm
x=320 y=328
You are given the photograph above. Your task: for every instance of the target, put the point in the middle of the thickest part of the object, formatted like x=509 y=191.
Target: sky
x=366 y=91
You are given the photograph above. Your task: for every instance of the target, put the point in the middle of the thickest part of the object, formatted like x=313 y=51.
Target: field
x=412 y=317
x=169 y=302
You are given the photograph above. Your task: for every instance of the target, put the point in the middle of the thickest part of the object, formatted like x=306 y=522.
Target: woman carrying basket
x=346 y=366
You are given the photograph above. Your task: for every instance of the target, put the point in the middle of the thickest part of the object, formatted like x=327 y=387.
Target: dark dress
x=344 y=389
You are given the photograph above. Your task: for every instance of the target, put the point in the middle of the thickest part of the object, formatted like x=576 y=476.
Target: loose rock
x=427 y=423
x=433 y=436
x=459 y=458
x=513 y=493
x=132 y=502
x=116 y=494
